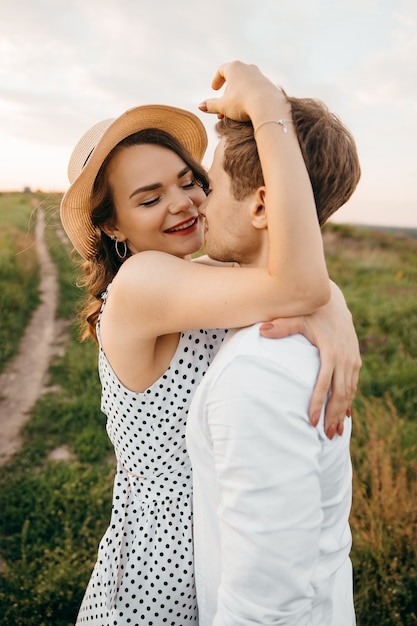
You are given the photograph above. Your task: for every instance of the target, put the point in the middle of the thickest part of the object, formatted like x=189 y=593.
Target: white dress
x=144 y=574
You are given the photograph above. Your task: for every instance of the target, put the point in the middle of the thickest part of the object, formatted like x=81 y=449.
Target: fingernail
x=340 y=429
x=315 y=418
x=203 y=106
x=266 y=326
x=331 y=431
x=348 y=412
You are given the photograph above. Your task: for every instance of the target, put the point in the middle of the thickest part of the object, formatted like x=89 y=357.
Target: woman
x=132 y=213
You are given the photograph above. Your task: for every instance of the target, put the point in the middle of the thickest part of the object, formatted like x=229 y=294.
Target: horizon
x=66 y=66
x=385 y=226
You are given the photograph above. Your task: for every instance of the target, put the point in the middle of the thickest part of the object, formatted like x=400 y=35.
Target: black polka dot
x=145 y=560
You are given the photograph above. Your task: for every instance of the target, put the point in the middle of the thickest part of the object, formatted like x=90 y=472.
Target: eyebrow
x=155 y=186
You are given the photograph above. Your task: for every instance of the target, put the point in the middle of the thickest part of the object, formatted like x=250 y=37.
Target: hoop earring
x=121 y=255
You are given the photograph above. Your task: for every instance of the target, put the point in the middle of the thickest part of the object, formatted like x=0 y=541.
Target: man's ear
x=258 y=212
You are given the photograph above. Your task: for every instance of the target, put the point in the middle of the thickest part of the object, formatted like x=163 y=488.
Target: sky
x=65 y=65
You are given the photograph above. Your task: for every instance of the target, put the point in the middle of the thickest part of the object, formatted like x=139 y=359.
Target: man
x=272 y=494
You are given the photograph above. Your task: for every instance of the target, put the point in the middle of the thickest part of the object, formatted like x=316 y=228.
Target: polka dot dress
x=144 y=572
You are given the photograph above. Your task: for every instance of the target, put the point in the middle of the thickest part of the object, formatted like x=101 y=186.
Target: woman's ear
x=113 y=232
x=108 y=230
x=258 y=212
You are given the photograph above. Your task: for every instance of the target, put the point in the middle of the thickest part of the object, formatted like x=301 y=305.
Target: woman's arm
x=160 y=294
x=331 y=329
x=296 y=254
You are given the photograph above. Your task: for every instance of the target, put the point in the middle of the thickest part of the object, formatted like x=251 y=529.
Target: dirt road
x=23 y=382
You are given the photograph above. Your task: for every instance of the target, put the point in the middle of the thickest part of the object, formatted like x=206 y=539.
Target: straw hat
x=97 y=143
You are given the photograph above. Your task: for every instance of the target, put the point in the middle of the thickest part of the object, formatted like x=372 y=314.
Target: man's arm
x=266 y=457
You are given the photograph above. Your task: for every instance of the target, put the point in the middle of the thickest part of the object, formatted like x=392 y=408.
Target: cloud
x=65 y=65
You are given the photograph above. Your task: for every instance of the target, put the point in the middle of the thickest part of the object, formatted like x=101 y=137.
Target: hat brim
x=186 y=127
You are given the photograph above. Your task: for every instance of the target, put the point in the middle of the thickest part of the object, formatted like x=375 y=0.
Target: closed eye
x=190 y=184
x=152 y=202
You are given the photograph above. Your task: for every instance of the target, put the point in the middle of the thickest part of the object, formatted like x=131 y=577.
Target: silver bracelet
x=282 y=122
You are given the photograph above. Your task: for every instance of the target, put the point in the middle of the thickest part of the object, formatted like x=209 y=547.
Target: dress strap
x=104 y=297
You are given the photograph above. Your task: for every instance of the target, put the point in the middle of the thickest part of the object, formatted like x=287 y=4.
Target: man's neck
x=258 y=260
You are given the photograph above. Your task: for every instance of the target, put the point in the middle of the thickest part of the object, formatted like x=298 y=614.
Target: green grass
x=384 y=517
x=18 y=271
x=378 y=274
x=54 y=513
x=52 y=521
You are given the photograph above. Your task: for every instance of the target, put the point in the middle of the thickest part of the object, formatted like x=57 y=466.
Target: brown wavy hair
x=328 y=148
x=100 y=270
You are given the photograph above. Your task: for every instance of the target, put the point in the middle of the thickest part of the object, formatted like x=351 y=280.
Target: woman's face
x=156 y=198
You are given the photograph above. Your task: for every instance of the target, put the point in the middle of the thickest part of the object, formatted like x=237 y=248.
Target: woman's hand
x=331 y=329
x=248 y=95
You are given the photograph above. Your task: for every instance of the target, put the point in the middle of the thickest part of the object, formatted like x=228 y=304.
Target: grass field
x=54 y=513
x=18 y=271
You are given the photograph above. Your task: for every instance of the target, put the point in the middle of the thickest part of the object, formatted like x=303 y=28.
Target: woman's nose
x=180 y=202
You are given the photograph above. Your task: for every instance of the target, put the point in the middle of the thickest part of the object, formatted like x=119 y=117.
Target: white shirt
x=272 y=494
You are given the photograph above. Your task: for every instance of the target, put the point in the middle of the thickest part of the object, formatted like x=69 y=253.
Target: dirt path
x=23 y=382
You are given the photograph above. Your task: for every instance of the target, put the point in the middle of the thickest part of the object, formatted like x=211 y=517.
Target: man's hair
x=328 y=148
